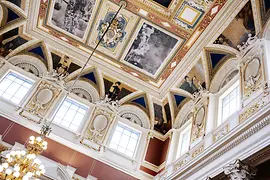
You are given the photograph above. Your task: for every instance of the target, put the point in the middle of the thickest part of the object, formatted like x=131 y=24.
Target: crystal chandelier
x=24 y=164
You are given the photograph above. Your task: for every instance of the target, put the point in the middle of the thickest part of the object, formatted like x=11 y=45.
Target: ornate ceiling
x=150 y=48
x=145 y=45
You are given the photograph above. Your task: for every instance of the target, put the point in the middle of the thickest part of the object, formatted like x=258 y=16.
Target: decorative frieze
x=221 y=132
x=189 y=156
x=263 y=101
x=197 y=151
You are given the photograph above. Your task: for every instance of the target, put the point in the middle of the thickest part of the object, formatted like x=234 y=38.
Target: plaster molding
x=206 y=157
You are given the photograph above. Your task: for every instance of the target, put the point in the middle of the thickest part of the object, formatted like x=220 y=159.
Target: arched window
x=226 y=89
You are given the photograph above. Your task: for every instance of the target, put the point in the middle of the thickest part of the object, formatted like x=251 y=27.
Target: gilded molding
x=42 y=99
x=263 y=101
x=222 y=132
x=98 y=127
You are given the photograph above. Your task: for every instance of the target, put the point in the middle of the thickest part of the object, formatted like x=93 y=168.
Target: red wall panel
x=84 y=164
x=157 y=151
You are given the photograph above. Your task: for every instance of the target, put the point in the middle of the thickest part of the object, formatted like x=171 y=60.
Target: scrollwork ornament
x=221 y=133
x=263 y=101
x=99 y=126
x=42 y=99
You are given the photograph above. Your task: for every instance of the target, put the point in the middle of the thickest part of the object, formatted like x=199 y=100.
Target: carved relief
x=42 y=99
x=29 y=68
x=82 y=93
x=239 y=171
x=132 y=118
x=222 y=132
x=198 y=123
x=187 y=158
x=98 y=126
x=252 y=75
x=198 y=151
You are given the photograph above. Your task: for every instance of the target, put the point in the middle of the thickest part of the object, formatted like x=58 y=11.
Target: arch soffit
x=266 y=30
x=87 y=87
x=183 y=113
x=128 y=108
x=28 y=59
x=222 y=73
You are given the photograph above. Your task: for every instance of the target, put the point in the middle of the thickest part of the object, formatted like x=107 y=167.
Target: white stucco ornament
x=199 y=116
x=239 y=171
x=100 y=122
x=252 y=72
x=44 y=96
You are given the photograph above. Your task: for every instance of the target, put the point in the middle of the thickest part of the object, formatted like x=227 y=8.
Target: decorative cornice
x=225 y=148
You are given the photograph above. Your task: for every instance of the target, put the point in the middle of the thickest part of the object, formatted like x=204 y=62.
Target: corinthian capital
x=239 y=171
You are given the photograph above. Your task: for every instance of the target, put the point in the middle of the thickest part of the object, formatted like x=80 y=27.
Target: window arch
x=266 y=31
x=226 y=89
x=135 y=115
x=30 y=64
x=84 y=90
x=224 y=75
x=184 y=114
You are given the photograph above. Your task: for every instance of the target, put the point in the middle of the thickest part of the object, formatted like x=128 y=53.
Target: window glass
x=14 y=87
x=125 y=140
x=184 y=141
x=70 y=114
x=230 y=103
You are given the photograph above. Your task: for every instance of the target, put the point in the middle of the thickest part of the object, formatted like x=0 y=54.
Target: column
x=172 y=151
x=211 y=118
x=267 y=59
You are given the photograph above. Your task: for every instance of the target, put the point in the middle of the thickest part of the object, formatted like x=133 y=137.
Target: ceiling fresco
x=137 y=29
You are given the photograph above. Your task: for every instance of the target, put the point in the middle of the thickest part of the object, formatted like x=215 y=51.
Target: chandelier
x=24 y=164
